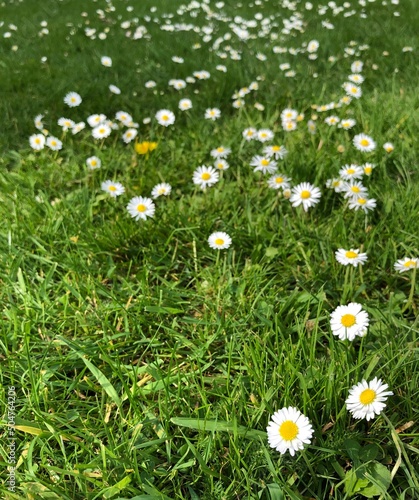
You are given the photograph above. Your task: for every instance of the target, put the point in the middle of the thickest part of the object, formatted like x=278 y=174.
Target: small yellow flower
x=143 y=148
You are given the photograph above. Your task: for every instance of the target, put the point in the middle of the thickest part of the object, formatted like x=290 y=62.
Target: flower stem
x=412 y=291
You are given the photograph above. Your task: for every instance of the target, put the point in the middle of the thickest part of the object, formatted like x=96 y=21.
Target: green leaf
x=354 y=484
x=271 y=252
x=275 y=492
x=379 y=480
x=353 y=448
x=368 y=453
x=116 y=488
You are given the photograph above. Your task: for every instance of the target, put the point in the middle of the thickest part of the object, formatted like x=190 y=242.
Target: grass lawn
x=138 y=362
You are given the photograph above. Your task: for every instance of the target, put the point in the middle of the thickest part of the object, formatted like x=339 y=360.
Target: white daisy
x=356 y=78
x=289 y=114
x=37 y=141
x=305 y=194
x=265 y=165
x=165 y=117
x=221 y=164
x=264 y=135
x=205 y=176
x=388 y=146
x=93 y=163
x=113 y=188
x=347 y=123
x=220 y=152
x=212 y=114
x=78 y=127
x=352 y=90
x=95 y=120
x=162 y=189
x=123 y=117
x=185 y=104
x=219 y=240
x=114 y=89
x=129 y=135
x=279 y=181
x=289 y=430
x=403 y=265
x=101 y=131
x=249 y=133
x=106 y=61
x=277 y=152
x=362 y=203
x=368 y=168
x=65 y=123
x=335 y=184
x=141 y=208
x=54 y=143
x=364 y=142
x=352 y=171
x=72 y=99
x=332 y=120
x=354 y=189
x=289 y=125
x=38 y=122
x=351 y=256
x=367 y=399
x=349 y=321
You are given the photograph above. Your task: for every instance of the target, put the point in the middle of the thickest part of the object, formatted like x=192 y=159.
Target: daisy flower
x=78 y=127
x=65 y=123
x=356 y=66
x=305 y=194
x=332 y=120
x=129 y=135
x=185 y=104
x=289 y=114
x=264 y=135
x=367 y=399
x=406 y=264
x=356 y=78
x=93 y=163
x=277 y=152
x=368 y=167
x=335 y=184
x=150 y=84
x=106 y=61
x=388 y=147
x=101 y=131
x=162 y=189
x=72 y=99
x=221 y=164
x=362 y=203
x=265 y=165
x=279 y=181
x=351 y=256
x=354 y=189
x=165 y=117
x=220 y=152
x=364 y=142
x=311 y=125
x=205 y=176
x=352 y=171
x=114 y=89
x=249 y=133
x=212 y=114
x=289 y=430
x=289 y=125
x=123 y=117
x=141 y=208
x=54 y=143
x=37 y=141
x=347 y=123
x=352 y=90
x=38 y=122
x=95 y=120
x=113 y=188
x=349 y=321
x=219 y=240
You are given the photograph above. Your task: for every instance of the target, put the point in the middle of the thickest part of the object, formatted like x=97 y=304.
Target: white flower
x=65 y=123
x=332 y=120
x=347 y=123
x=54 y=143
x=101 y=131
x=93 y=163
x=141 y=208
x=106 y=61
x=150 y=84
x=129 y=135
x=162 y=189
x=305 y=194
x=113 y=188
x=249 y=133
x=220 y=152
x=352 y=90
x=219 y=240
x=37 y=141
x=388 y=146
x=289 y=429
x=351 y=172
x=354 y=189
x=165 y=117
x=205 y=176
x=212 y=114
x=95 y=120
x=277 y=152
x=72 y=99
x=221 y=164
x=265 y=165
x=114 y=89
x=279 y=181
x=351 y=256
x=364 y=204
x=367 y=399
x=123 y=117
x=185 y=104
x=38 y=122
x=289 y=114
x=364 y=142
x=78 y=127
x=349 y=321
x=406 y=264
x=264 y=135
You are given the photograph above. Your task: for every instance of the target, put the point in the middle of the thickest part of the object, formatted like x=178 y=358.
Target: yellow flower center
x=279 y=180
x=336 y=183
x=355 y=189
x=93 y=163
x=165 y=118
x=305 y=194
x=351 y=255
x=348 y=320
x=367 y=396
x=354 y=90
x=161 y=190
x=73 y=99
x=290 y=125
x=112 y=188
x=220 y=165
x=409 y=263
x=53 y=143
x=205 y=176
x=288 y=430
x=219 y=241
x=263 y=134
x=264 y=162
x=368 y=170
x=365 y=142
x=220 y=150
x=276 y=148
x=350 y=171
x=141 y=207
x=38 y=140
x=362 y=201
x=101 y=131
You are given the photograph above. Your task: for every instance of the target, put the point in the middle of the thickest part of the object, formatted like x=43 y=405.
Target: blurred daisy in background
x=37 y=141
x=219 y=240
x=364 y=142
x=72 y=99
x=351 y=256
x=93 y=163
x=406 y=264
x=165 y=117
x=162 y=189
x=113 y=188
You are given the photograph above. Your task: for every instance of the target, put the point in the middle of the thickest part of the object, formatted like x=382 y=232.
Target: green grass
x=147 y=365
